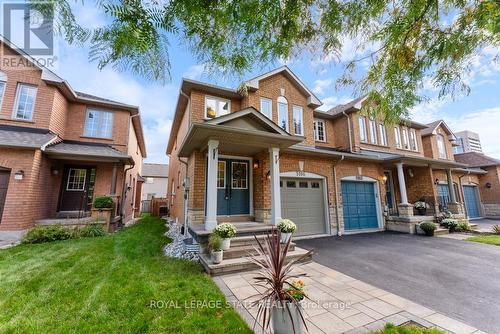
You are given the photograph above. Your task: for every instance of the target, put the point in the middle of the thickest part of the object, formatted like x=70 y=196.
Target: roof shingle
x=475 y=159
x=17 y=136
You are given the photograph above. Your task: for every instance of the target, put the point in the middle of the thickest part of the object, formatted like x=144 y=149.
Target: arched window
x=283 y=113
x=441 y=146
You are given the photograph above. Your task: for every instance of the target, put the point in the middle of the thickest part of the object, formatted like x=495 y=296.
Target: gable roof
x=432 y=127
x=475 y=159
x=74 y=96
x=312 y=100
x=154 y=170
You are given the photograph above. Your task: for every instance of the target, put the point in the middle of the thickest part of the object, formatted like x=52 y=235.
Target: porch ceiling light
x=256 y=164
x=384 y=178
x=19 y=175
x=54 y=170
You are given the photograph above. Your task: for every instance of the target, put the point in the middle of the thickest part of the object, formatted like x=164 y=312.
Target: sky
x=478 y=112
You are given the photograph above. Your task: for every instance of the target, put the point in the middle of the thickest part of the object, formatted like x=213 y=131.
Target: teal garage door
x=359 y=205
x=472 y=201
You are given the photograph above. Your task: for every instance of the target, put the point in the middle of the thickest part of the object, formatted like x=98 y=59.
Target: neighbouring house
x=488 y=187
x=155 y=180
x=60 y=148
x=265 y=152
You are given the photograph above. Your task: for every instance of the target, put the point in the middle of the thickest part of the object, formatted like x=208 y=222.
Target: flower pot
x=285 y=237
x=282 y=322
x=421 y=211
x=226 y=243
x=217 y=257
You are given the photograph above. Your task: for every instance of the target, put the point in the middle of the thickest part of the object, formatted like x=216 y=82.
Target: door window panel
x=221 y=174
x=239 y=175
x=76 y=179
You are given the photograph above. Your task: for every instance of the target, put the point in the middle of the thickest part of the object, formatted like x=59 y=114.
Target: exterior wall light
x=256 y=164
x=19 y=175
x=384 y=178
x=488 y=185
x=54 y=170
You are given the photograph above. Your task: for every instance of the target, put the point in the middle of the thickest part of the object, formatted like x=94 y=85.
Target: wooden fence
x=157 y=205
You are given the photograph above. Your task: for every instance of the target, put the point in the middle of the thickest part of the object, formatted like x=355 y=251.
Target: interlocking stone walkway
x=340 y=304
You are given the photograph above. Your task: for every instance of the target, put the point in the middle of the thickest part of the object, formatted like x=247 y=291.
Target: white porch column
x=453 y=196
x=213 y=159
x=402 y=183
x=275 y=185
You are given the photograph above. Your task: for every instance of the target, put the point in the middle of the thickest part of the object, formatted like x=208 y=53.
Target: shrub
x=428 y=228
x=92 y=230
x=420 y=205
x=496 y=229
x=286 y=226
x=225 y=230
x=214 y=242
x=450 y=224
x=103 y=202
x=463 y=226
x=49 y=233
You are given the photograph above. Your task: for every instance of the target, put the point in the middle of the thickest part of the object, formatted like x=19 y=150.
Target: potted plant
x=421 y=207
x=280 y=302
x=286 y=228
x=450 y=223
x=428 y=228
x=215 y=248
x=102 y=210
x=226 y=231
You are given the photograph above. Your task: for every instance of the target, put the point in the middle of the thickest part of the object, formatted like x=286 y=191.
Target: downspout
x=461 y=189
x=337 y=194
x=186 y=196
x=348 y=129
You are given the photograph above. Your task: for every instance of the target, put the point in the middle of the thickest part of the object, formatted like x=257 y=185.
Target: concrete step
x=243 y=229
x=441 y=231
x=473 y=226
x=229 y=266
x=245 y=250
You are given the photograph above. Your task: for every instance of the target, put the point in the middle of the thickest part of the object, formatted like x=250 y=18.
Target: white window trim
x=261 y=108
x=363 y=134
x=406 y=138
x=413 y=140
x=232 y=176
x=301 y=110
x=373 y=131
x=397 y=136
x=84 y=179
x=316 y=135
x=216 y=111
x=85 y=134
x=287 y=127
x=16 y=102
x=445 y=153
x=383 y=134
x=4 y=89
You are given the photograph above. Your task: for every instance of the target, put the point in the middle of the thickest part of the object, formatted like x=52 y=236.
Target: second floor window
x=98 y=124
x=319 y=130
x=25 y=102
x=406 y=144
x=2 y=91
x=283 y=113
x=397 y=136
x=373 y=131
x=383 y=134
x=215 y=107
x=413 y=140
x=298 y=120
x=362 y=129
x=441 y=147
x=266 y=107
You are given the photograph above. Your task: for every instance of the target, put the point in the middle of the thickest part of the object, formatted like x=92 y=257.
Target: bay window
x=397 y=136
x=383 y=134
x=373 y=131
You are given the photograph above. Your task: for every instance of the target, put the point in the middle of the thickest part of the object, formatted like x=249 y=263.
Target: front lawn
x=487 y=239
x=114 y=284
x=391 y=329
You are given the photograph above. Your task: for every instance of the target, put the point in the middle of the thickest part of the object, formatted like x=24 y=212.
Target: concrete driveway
x=485 y=224
x=460 y=279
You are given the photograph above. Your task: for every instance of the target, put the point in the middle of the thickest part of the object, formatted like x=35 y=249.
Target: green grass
x=106 y=285
x=391 y=329
x=486 y=239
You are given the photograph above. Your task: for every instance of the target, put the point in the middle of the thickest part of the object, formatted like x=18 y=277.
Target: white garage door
x=302 y=201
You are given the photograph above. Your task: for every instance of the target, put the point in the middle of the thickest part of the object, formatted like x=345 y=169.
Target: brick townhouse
x=265 y=152
x=59 y=148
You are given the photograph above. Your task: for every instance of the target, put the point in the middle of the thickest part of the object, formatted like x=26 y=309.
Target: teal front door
x=472 y=201
x=233 y=187
x=359 y=205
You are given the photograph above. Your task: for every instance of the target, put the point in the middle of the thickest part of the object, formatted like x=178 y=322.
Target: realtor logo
x=29 y=30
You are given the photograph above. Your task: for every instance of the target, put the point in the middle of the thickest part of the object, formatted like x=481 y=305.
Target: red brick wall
x=431 y=148
x=490 y=195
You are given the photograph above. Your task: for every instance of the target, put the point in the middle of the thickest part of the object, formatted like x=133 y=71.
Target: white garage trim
x=308 y=175
x=378 y=203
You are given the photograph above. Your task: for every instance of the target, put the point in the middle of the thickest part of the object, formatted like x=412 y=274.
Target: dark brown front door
x=4 y=184
x=77 y=188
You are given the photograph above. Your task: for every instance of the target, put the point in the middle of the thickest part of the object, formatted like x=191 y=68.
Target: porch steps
x=440 y=231
x=235 y=265
x=240 y=251
x=243 y=229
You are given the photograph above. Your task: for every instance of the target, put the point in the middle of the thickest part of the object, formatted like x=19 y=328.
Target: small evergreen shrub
x=428 y=228
x=40 y=234
x=92 y=230
x=450 y=224
x=103 y=202
x=214 y=242
x=286 y=226
x=463 y=226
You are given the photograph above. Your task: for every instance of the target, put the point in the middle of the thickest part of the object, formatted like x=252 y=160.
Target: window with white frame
x=76 y=179
x=397 y=136
x=266 y=107
x=413 y=140
x=283 y=113
x=298 y=120
x=319 y=130
x=25 y=102
x=441 y=147
x=98 y=124
x=215 y=107
x=406 y=141
x=2 y=91
x=362 y=129
x=383 y=134
x=373 y=131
